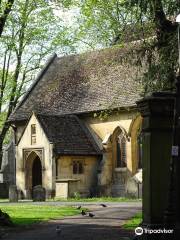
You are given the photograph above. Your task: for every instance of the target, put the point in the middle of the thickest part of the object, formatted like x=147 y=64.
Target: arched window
x=136 y=143
x=139 y=149
x=121 y=158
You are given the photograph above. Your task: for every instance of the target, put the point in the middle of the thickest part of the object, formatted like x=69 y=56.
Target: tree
x=5 y=8
x=31 y=33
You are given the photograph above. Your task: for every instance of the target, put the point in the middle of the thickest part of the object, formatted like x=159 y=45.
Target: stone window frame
x=139 y=148
x=118 y=134
x=79 y=162
x=33 y=134
x=134 y=130
x=28 y=151
x=121 y=140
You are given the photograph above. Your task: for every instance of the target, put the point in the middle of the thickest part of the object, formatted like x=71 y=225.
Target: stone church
x=77 y=130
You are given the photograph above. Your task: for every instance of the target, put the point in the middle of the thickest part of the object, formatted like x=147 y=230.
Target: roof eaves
x=38 y=116
x=24 y=128
x=72 y=153
x=88 y=134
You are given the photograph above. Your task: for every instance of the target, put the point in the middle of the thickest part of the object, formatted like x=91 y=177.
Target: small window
x=78 y=167
x=33 y=129
x=33 y=134
x=57 y=168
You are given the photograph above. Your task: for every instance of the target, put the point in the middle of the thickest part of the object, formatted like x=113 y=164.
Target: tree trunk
x=1 y=152
x=5 y=14
x=2 y=136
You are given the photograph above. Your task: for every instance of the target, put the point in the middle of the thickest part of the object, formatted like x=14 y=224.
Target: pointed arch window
x=121 y=156
x=139 y=149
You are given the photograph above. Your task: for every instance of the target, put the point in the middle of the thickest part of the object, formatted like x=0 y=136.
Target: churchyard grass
x=97 y=199
x=133 y=222
x=28 y=214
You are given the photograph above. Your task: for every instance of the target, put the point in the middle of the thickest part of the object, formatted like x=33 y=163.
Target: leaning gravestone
x=13 y=193
x=39 y=194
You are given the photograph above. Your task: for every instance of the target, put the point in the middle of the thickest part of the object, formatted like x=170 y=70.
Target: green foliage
x=77 y=195
x=134 y=222
x=32 y=32
x=102 y=23
x=24 y=214
x=103 y=115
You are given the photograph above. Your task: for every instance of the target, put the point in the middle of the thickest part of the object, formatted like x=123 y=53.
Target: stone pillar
x=13 y=193
x=157 y=113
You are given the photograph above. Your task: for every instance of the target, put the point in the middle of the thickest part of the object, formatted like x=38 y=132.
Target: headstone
x=4 y=188
x=39 y=194
x=62 y=189
x=1 y=177
x=133 y=188
x=13 y=193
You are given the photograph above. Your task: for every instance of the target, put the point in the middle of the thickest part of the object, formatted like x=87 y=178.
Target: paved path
x=51 y=203
x=104 y=226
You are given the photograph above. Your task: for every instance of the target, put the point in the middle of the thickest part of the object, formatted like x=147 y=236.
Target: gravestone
x=4 y=190
x=134 y=186
x=13 y=193
x=62 y=189
x=39 y=194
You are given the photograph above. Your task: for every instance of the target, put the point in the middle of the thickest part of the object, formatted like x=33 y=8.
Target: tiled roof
x=69 y=135
x=82 y=83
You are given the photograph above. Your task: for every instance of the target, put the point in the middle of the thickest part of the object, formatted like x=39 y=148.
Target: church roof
x=69 y=135
x=87 y=82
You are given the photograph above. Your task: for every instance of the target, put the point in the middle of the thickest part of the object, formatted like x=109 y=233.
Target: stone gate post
x=157 y=113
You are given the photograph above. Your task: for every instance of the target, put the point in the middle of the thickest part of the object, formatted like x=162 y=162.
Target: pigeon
x=103 y=205
x=79 y=207
x=58 y=230
x=83 y=213
x=91 y=215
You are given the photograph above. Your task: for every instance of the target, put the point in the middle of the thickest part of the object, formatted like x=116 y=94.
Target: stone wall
x=100 y=129
x=84 y=184
x=113 y=181
x=100 y=175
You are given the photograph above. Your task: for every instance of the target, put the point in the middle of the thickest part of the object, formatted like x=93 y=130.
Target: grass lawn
x=133 y=222
x=96 y=199
x=28 y=214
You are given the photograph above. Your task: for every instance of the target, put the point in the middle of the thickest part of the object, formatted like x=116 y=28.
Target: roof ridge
x=125 y=47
